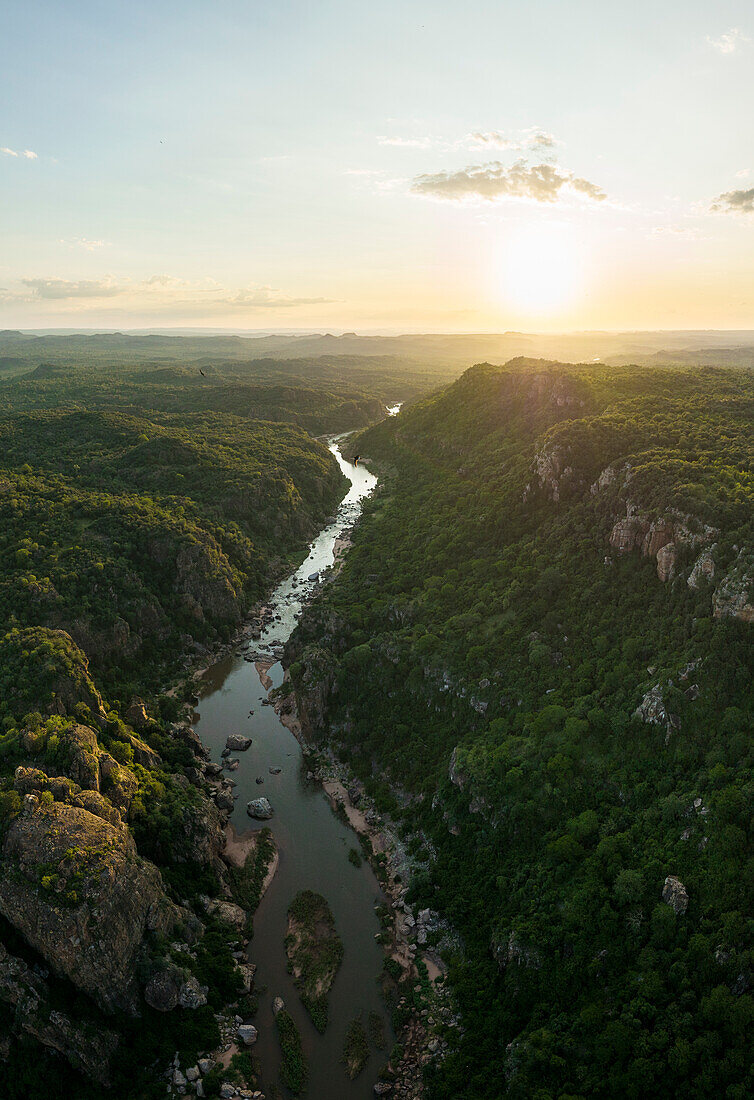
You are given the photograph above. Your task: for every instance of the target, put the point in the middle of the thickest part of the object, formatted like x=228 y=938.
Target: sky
x=552 y=165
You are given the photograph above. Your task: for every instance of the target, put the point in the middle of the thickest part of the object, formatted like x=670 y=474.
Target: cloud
x=28 y=154
x=83 y=242
x=688 y=232
x=409 y=143
x=730 y=42
x=157 y=294
x=735 y=202
x=539 y=182
x=532 y=138
x=64 y=288
x=743 y=174
x=267 y=297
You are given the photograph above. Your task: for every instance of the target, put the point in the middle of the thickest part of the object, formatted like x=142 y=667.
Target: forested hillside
x=141 y=537
x=131 y=544
x=538 y=657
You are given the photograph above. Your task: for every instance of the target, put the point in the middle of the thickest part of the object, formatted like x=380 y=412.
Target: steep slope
x=128 y=542
x=140 y=538
x=538 y=658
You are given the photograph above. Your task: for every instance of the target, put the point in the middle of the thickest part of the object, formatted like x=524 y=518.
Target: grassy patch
x=293 y=1069
x=355 y=1049
x=246 y=882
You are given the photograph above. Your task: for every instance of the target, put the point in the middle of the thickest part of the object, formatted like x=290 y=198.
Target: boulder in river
x=259 y=808
x=247 y=1033
x=236 y=742
x=275 y=771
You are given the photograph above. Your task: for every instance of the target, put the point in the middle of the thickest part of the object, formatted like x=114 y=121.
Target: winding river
x=312 y=842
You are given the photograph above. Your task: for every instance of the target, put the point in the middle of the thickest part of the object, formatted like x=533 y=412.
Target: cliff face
x=72 y=884
x=662 y=538
x=28 y=996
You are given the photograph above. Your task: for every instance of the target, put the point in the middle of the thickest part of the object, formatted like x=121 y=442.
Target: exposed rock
x=628 y=534
x=136 y=714
x=32 y=780
x=652 y=709
x=229 y=912
x=87 y=911
x=161 y=991
x=277 y=1005
x=259 y=808
x=84 y=751
x=661 y=537
x=192 y=994
x=734 y=596
x=674 y=894
x=86 y=1048
x=118 y=782
x=236 y=742
x=456 y=774
x=224 y=800
x=246 y=972
x=247 y=1034
x=703 y=569
x=659 y=534
x=666 y=559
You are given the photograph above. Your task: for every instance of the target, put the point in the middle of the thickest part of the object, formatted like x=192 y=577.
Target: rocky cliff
x=73 y=885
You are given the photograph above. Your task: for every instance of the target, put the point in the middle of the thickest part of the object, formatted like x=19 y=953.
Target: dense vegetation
x=315 y=952
x=484 y=653
x=293 y=1069
x=139 y=537
x=132 y=539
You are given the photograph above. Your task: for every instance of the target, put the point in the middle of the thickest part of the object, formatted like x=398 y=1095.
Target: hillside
x=139 y=537
x=538 y=659
x=131 y=545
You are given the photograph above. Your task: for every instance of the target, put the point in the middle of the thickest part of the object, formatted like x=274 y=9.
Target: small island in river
x=314 y=952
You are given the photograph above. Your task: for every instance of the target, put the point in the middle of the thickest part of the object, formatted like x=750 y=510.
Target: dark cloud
x=541 y=182
x=735 y=202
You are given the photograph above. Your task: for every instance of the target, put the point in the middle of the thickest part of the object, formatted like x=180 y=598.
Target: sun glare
x=541 y=268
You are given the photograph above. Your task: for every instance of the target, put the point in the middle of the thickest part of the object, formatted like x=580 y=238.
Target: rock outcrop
x=674 y=894
x=702 y=569
x=259 y=808
x=74 y=887
x=236 y=742
x=28 y=995
x=659 y=537
x=652 y=709
x=734 y=596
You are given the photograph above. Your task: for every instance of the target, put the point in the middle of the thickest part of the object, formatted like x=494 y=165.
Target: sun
x=541 y=268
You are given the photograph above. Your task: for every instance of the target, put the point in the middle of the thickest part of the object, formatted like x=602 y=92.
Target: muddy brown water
x=312 y=842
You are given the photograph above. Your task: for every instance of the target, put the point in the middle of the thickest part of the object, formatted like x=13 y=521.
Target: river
x=312 y=842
